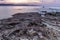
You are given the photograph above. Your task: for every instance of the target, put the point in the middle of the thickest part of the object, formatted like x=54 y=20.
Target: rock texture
x=25 y=26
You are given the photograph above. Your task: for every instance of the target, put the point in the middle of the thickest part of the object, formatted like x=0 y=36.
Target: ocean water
x=7 y=11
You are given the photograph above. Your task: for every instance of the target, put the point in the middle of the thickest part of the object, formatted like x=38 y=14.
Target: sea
x=8 y=11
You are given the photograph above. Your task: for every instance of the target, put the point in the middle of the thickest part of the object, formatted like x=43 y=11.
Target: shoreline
x=26 y=26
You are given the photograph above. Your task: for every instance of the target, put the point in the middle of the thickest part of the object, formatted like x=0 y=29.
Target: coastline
x=26 y=26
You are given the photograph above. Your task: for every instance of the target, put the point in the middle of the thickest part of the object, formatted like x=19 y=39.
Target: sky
x=32 y=1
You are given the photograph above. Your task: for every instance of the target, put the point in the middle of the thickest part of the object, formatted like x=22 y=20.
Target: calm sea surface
x=7 y=11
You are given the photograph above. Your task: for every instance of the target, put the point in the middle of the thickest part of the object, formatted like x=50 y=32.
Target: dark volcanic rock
x=25 y=26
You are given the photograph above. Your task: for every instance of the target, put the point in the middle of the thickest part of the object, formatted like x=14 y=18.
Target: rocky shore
x=25 y=26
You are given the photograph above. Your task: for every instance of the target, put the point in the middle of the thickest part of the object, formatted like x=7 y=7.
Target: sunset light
x=28 y=1
x=22 y=1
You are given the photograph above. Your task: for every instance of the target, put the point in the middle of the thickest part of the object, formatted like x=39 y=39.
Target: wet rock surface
x=25 y=26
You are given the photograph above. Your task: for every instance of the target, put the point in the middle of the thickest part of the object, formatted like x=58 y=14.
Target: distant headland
x=18 y=5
